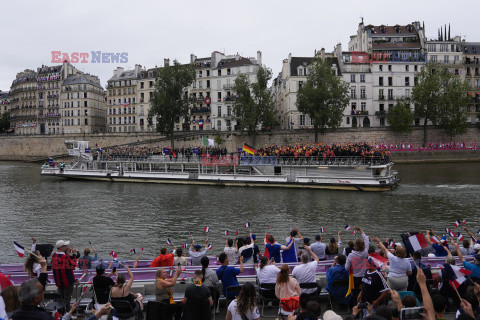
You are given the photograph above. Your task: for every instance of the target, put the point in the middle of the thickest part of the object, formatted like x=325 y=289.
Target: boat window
x=69 y=145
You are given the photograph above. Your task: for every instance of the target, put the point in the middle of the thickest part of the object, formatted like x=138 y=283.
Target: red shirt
x=163 y=260
x=4 y=281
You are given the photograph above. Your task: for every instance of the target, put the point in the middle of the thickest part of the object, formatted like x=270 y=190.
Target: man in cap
x=62 y=267
x=439 y=250
x=102 y=285
x=195 y=252
x=374 y=287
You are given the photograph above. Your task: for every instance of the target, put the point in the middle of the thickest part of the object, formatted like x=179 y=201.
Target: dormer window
x=300 y=71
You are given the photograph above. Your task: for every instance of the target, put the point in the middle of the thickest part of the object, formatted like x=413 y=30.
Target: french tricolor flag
x=415 y=242
x=391 y=243
x=322 y=229
x=247 y=225
x=206 y=229
x=464 y=222
x=114 y=255
x=460 y=237
x=209 y=247
x=456 y=275
x=226 y=232
x=452 y=234
x=236 y=233
x=347 y=227
x=185 y=245
x=447 y=230
x=169 y=242
x=20 y=250
x=133 y=251
x=57 y=315
x=377 y=260
x=457 y=223
x=434 y=239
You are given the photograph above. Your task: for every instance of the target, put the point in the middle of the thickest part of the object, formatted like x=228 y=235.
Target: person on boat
x=349 y=248
x=196 y=253
x=291 y=254
x=467 y=247
x=319 y=247
x=102 y=284
x=10 y=299
x=400 y=267
x=31 y=266
x=163 y=291
x=62 y=267
x=195 y=293
x=245 y=305
x=374 y=287
x=85 y=261
x=179 y=259
x=231 y=251
x=412 y=279
x=333 y=247
x=286 y=287
x=164 y=259
x=439 y=250
x=228 y=274
x=357 y=260
x=336 y=272
x=210 y=279
x=305 y=273
x=274 y=248
x=121 y=292
x=474 y=267
x=246 y=251
x=267 y=271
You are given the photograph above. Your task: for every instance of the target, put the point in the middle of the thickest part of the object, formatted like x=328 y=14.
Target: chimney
x=259 y=57
x=322 y=54
x=166 y=62
x=118 y=71
x=138 y=68
x=192 y=58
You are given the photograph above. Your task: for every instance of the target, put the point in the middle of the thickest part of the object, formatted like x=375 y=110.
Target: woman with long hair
x=163 y=292
x=245 y=305
x=286 y=287
x=333 y=247
x=121 y=291
x=210 y=279
x=31 y=266
x=267 y=271
x=10 y=298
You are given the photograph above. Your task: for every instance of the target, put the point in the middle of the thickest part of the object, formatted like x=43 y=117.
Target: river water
x=123 y=216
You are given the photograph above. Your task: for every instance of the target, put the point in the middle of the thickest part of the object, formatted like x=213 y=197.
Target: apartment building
x=23 y=103
x=471 y=53
x=83 y=104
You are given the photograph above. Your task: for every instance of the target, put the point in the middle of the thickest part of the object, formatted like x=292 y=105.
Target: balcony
x=227 y=116
x=380 y=113
x=227 y=86
x=363 y=97
x=52 y=115
x=359 y=113
x=391 y=98
x=201 y=110
x=230 y=98
x=381 y=97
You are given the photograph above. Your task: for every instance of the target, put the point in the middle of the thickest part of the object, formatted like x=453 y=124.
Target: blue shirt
x=336 y=273
x=439 y=251
x=289 y=255
x=472 y=267
x=228 y=276
x=274 y=251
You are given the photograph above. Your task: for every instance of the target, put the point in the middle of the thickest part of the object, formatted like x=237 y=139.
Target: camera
x=411 y=313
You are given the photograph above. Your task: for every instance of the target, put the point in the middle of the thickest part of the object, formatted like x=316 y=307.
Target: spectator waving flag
x=247 y=225
x=455 y=275
x=391 y=243
x=415 y=242
x=132 y=251
x=189 y=234
x=169 y=242
x=377 y=260
x=236 y=233
x=206 y=229
x=20 y=250
x=434 y=239
x=347 y=227
x=452 y=234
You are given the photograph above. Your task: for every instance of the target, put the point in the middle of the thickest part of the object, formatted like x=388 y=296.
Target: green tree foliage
x=254 y=104
x=169 y=100
x=323 y=97
x=441 y=98
x=400 y=117
x=4 y=123
x=452 y=116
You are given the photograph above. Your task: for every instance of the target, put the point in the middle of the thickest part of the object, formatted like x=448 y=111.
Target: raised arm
x=365 y=239
x=130 y=279
x=299 y=234
x=470 y=233
x=428 y=237
x=427 y=300
x=459 y=253
x=338 y=237
x=289 y=245
x=314 y=256
x=241 y=263
x=381 y=246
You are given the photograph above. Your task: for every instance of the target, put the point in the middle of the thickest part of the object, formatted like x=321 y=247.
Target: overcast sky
x=150 y=31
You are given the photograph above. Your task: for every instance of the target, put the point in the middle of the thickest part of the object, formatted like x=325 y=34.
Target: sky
x=149 y=31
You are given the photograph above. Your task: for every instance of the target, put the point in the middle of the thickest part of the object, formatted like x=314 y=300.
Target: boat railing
x=311 y=161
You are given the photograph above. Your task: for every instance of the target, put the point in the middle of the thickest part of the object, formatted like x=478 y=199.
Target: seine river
x=123 y=216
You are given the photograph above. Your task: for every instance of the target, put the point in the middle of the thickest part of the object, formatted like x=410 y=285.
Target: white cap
x=330 y=315
x=61 y=243
x=431 y=255
x=476 y=246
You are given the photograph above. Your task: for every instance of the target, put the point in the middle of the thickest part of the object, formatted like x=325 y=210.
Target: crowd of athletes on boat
x=145 y=151
x=376 y=278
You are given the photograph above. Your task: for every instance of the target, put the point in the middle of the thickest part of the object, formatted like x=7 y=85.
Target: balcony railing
x=380 y=113
x=201 y=110
x=228 y=86
x=359 y=113
x=229 y=98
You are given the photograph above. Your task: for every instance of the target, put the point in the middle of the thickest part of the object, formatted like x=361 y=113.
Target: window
x=415 y=80
x=302 y=120
x=407 y=81
x=219 y=96
x=381 y=107
x=390 y=81
x=444 y=48
x=219 y=124
x=353 y=93
x=389 y=67
x=300 y=71
x=362 y=78
x=362 y=93
x=446 y=59
x=455 y=59
x=348 y=120
x=382 y=122
x=229 y=111
x=219 y=112
x=228 y=72
x=407 y=93
x=200 y=73
x=208 y=73
x=433 y=58
x=219 y=72
x=300 y=84
x=390 y=94
x=477 y=83
x=380 y=81
x=352 y=78
x=354 y=107
x=407 y=67
x=200 y=84
x=380 y=67
x=208 y=83
x=142 y=85
x=363 y=106
x=431 y=47
x=380 y=94
x=415 y=68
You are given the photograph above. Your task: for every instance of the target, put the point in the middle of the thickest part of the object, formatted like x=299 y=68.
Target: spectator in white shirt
x=305 y=273
x=267 y=271
x=231 y=251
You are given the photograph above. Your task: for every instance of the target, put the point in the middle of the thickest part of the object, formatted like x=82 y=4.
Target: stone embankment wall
x=38 y=147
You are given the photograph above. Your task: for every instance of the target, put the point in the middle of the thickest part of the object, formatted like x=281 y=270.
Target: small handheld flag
x=236 y=232
x=169 y=242
x=20 y=250
x=189 y=234
x=456 y=223
x=132 y=251
x=114 y=255
x=185 y=245
x=206 y=229
x=268 y=226
x=209 y=247
x=464 y=222
x=226 y=232
x=322 y=229
x=447 y=230
x=354 y=232
x=460 y=237
x=347 y=227
x=247 y=225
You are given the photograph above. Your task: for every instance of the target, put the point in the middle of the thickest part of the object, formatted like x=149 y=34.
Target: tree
x=254 y=104
x=169 y=101
x=426 y=96
x=4 y=123
x=453 y=107
x=323 y=97
x=441 y=97
x=400 y=117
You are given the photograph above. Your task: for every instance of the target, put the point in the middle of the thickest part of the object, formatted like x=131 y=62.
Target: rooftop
x=234 y=62
x=305 y=61
x=396 y=30
x=80 y=79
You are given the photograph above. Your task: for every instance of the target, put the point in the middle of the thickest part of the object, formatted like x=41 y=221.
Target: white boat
x=341 y=173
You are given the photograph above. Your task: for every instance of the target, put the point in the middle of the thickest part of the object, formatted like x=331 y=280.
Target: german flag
x=248 y=149
x=351 y=283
